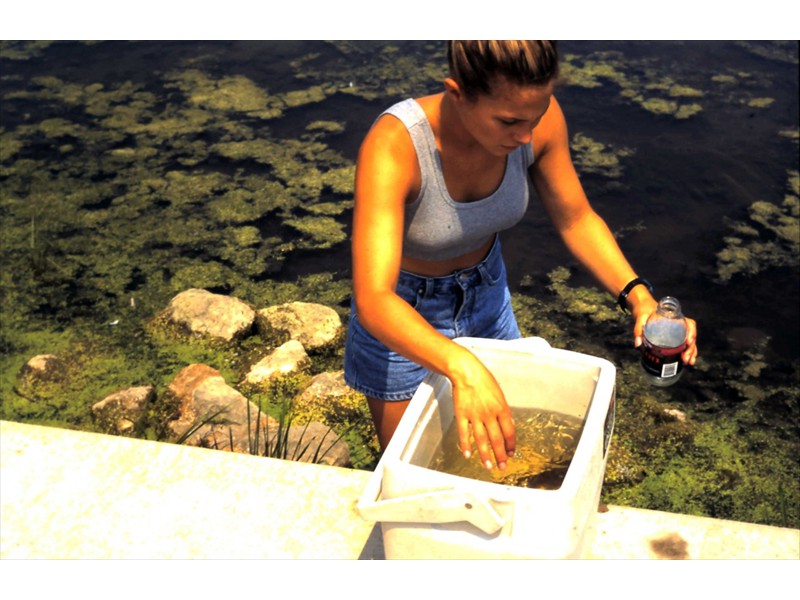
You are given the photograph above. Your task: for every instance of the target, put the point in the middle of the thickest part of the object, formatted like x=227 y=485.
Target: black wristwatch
x=622 y=299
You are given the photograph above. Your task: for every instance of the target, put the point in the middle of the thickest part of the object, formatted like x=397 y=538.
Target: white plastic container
x=427 y=514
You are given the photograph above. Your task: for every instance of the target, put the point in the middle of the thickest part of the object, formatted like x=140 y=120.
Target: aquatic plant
x=727 y=469
x=591 y=156
x=325 y=127
x=784 y=51
x=760 y=102
x=724 y=78
x=769 y=238
x=318 y=232
x=234 y=93
x=667 y=451
x=641 y=82
x=277 y=443
x=24 y=49
x=582 y=301
x=348 y=416
x=361 y=69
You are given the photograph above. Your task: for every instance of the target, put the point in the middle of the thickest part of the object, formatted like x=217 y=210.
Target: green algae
x=310 y=95
x=241 y=206
x=591 y=156
x=700 y=467
x=23 y=50
x=684 y=91
x=588 y=302
x=330 y=208
x=349 y=416
x=318 y=231
x=691 y=464
x=228 y=94
x=769 y=238
x=186 y=196
x=590 y=72
x=305 y=168
x=760 y=102
x=724 y=79
x=686 y=111
x=326 y=127
x=340 y=179
x=779 y=50
x=10 y=145
x=660 y=106
x=637 y=81
x=359 y=69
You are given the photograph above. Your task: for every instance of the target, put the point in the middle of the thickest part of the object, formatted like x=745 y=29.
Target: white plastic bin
x=426 y=513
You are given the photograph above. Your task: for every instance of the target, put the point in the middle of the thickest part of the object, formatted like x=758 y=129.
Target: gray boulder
x=38 y=371
x=215 y=411
x=203 y=313
x=218 y=414
x=288 y=358
x=119 y=412
x=313 y=325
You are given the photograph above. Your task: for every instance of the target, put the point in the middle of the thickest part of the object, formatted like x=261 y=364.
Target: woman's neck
x=451 y=131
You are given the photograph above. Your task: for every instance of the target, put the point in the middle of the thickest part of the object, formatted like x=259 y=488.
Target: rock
x=313 y=325
x=215 y=315
x=319 y=439
x=44 y=367
x=203 y=395
x=313 y=442
x=327 y=394
x=288 y=358
x=119 y=412
x=41 y=369
x=675 y=414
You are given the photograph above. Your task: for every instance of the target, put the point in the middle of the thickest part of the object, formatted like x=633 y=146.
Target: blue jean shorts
x=473 y=302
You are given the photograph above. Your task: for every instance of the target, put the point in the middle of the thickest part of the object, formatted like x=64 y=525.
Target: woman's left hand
x=643 y=310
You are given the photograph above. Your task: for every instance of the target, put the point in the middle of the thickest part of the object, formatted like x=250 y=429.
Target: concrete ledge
x=632 y=533
x=67 y=494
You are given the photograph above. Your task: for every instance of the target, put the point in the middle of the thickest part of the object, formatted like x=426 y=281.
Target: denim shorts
x=473 y=302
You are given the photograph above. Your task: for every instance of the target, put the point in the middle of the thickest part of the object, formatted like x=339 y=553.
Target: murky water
x=674 y=188
x=546 y=443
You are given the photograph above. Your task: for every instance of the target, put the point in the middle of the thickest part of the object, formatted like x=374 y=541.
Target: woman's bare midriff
x=439 y=268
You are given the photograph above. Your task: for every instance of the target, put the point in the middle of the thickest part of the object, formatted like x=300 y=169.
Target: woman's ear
x=451 y=88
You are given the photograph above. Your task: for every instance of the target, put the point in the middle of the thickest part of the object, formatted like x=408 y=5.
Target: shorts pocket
x=410 y=291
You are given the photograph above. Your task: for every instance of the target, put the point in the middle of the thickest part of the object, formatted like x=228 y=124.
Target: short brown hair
x=475 y=63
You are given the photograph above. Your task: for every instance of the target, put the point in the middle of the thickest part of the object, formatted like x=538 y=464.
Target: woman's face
x=503 y=121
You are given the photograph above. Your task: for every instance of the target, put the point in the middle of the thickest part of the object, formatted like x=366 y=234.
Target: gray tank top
x=436 y=226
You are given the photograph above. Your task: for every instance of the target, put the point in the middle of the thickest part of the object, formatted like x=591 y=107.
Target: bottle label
x=662 y=362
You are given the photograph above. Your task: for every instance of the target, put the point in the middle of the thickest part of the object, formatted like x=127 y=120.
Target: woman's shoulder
x=412 y=111
x=394 y=125
x=387 y=160
x=388 y=143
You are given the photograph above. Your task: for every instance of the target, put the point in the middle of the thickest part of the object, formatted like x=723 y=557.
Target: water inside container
x=546 y=442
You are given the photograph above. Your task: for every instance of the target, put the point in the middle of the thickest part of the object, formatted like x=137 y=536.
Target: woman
x=437 y=179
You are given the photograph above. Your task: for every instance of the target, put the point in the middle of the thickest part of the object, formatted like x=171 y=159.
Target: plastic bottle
x=664 y=340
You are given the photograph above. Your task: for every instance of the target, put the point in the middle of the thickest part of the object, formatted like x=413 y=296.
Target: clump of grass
x=275 y=443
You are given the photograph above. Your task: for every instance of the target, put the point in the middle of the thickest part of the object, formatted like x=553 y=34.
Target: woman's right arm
x=387 y=176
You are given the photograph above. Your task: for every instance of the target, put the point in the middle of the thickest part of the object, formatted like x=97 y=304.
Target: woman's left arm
x=583 y=231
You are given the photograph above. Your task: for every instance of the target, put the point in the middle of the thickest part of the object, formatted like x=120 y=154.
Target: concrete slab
x=68 y=494
x=632 y=533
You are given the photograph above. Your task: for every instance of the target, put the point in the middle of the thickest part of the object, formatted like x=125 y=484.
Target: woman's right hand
x=481 y=406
